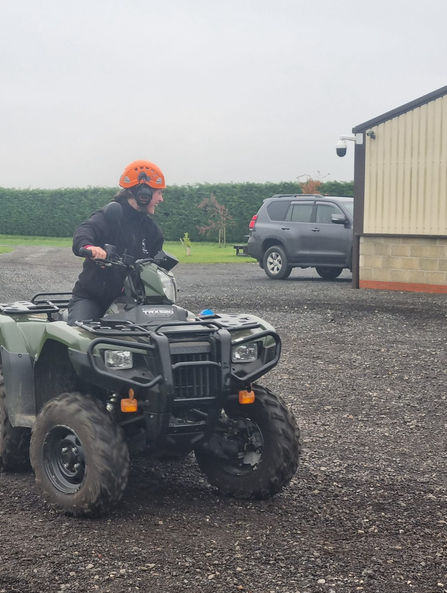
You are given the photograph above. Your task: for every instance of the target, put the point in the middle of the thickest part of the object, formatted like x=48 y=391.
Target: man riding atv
x=135 y=234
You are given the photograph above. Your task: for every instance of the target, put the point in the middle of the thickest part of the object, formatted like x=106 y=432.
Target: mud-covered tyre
x=14 y=441
x=79 y=455
x=276 y=263
x=268 y=452
x=328 y=273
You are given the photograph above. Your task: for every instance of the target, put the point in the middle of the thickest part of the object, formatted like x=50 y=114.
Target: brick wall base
x=403 y=263
x=410 y=286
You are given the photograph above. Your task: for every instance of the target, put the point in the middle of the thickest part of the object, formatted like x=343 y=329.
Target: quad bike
x=149 y=375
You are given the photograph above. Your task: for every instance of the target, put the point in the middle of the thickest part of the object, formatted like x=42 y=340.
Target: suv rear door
x=330 y=243
x=296 y=230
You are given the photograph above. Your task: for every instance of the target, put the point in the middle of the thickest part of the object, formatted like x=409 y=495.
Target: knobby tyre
x=79 y=455
x=269 y=466
x=14 y=441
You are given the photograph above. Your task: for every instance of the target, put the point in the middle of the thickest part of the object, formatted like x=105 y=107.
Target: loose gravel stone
x=364 y=372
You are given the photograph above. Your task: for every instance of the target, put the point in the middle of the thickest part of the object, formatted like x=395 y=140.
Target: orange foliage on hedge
x=311 y=186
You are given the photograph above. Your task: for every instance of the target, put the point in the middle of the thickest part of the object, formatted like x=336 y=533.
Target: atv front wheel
x=254 y=451
x=79 y=455
x=14 y=441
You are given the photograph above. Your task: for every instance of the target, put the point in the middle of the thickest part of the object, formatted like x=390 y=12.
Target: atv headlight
x=247 y=352
x=169 y=285
x=118 y=359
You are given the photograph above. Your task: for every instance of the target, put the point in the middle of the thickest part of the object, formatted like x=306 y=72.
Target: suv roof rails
x=296 y=196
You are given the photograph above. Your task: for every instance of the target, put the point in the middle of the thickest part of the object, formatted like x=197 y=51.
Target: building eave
x=400 y=110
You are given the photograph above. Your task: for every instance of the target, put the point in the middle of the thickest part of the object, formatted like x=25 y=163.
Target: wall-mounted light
x=371 y=134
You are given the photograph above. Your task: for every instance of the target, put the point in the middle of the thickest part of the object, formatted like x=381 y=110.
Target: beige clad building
x=400 y=190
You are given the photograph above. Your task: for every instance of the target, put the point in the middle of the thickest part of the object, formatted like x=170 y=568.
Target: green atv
x=150 y=375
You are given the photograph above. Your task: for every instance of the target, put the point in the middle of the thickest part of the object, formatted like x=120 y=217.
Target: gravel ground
x=365 y=374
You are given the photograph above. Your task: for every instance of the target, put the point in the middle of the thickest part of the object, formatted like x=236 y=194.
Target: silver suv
x=303 y=231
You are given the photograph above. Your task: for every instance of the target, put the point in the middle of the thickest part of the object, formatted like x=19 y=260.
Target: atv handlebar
x=112 y=259
x=162 y=258
x=83 y=252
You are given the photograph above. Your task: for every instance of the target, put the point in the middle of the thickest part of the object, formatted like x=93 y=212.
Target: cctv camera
x=341 y=147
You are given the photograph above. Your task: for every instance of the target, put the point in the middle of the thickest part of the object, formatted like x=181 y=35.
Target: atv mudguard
x=20 y=345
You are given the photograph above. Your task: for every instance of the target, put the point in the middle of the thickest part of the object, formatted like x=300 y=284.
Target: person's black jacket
x=135 y=233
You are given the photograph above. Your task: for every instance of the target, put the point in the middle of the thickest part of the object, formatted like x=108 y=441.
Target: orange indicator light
x=246 y=397
x=129 y=404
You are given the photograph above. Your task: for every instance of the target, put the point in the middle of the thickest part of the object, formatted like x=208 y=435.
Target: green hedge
x=56 y=213
x=48 y=213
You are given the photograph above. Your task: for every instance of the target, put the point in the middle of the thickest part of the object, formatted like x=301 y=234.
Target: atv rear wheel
x=256 y=451
x=14 y=441
x=79 y=455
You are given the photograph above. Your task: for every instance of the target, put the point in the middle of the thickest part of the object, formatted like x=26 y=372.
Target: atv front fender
x=18 y=374
x=21 y=343
x=11 y=337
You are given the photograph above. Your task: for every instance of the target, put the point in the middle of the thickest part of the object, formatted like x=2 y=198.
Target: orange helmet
x=142 y=172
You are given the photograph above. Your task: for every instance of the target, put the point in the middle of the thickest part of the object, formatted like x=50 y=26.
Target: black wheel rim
x=64 y=459
x=250 y=443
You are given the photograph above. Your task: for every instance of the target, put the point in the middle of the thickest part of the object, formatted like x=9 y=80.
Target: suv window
x=300 y=212
x=277 y=210
x=325 y=212
x=349 y=207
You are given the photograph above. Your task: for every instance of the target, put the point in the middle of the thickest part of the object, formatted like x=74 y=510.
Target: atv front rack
x=109 y=327
x=113 y=328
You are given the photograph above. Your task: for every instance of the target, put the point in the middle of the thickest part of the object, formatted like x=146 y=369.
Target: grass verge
x=201 y=253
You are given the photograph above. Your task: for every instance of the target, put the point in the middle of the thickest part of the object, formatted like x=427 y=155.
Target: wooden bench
x=241 y=247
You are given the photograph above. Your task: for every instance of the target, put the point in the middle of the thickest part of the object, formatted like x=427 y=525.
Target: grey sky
x=234 y=91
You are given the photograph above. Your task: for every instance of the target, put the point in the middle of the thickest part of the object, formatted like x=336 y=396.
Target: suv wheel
x=329 y=273
x=276 y=264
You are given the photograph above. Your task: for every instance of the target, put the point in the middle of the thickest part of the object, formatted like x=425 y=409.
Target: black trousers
x=80 y=309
